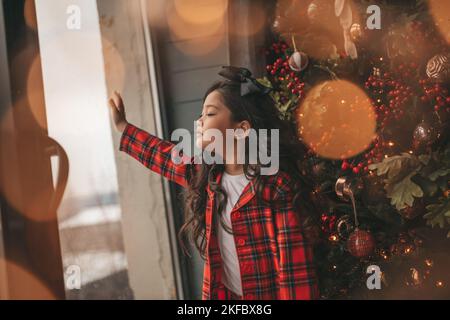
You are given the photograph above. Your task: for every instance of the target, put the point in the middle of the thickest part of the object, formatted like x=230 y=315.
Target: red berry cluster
x=435 y=94
x=288 y=79
x=282 y=73
x=354 y=167
x=277 y=48
x=390 y=92
x=391 y=96
x=376 y=153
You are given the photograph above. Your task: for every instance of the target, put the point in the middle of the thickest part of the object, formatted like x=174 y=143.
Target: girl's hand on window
x=117 y=110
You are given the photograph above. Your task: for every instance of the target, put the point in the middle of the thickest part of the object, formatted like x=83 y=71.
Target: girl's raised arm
x=153 y=152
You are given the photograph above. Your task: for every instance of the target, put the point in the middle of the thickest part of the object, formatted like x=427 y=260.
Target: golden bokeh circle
x=194 y=12
x=336 y=120
x=439 y=10
x=28 y=286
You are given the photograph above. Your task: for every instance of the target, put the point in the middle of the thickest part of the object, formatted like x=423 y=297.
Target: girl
x=248 y=227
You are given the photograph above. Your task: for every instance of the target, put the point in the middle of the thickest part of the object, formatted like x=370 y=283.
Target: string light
x=439 y=284
x=429 y=262
x=408 y=250
x=333 y=238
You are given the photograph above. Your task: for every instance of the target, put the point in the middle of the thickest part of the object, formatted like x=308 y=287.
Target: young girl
x=247 y=226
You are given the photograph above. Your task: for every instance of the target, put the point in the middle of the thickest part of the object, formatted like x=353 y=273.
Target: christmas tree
x=371 y=104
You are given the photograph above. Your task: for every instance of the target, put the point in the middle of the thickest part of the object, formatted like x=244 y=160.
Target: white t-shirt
x=231 y=277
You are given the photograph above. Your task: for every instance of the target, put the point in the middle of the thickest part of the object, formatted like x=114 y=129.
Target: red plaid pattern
x=275 y=261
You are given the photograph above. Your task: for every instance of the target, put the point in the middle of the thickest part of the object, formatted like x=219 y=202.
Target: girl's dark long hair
x=260 y=111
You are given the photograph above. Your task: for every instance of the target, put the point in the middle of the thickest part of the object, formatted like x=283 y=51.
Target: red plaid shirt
x=275 y=261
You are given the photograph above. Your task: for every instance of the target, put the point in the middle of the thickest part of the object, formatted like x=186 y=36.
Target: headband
x=243 y=76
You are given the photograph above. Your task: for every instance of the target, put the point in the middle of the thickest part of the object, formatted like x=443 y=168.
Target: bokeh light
x=439 y=10
x=27 y=285
x=201 y=12
x=336 y=120
x=196 y=28
x=33 y=205
x=35 y=94
x=29 y=13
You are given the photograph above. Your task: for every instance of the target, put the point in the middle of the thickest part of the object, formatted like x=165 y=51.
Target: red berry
x=345 y=166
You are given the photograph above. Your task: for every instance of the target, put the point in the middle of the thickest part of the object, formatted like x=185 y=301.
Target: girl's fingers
x=119 y=102
x=112 y=103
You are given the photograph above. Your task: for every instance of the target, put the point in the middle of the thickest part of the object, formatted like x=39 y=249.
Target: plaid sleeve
x=153 y=152
x=296 y=277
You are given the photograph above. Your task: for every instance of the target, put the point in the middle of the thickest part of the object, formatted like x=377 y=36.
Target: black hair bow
x=243 y=76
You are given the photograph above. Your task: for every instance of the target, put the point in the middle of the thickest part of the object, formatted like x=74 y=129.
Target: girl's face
x=215 y=115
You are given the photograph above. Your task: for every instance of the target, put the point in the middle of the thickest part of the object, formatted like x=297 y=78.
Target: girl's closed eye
x=208 y=114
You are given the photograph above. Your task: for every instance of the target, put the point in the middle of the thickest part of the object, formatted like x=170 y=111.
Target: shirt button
x=241 y=242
